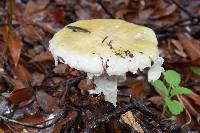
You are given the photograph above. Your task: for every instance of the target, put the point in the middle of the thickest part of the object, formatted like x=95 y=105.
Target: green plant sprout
x=170 y=88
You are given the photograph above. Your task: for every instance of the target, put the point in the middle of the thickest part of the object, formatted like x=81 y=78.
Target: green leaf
x=160 y=85
x=180 y=90
x=174 y=106
x=196 y=70
x=172 y=77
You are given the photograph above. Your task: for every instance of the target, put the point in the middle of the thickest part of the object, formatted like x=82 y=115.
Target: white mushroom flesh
x=106 y=85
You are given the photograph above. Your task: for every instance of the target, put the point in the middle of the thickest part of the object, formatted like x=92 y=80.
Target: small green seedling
x=173 y=88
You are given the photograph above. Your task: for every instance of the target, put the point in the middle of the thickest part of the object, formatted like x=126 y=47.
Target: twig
x=193 y=83
x=105 y=9
x=5 y=119
x=166 y=35
x=183 y=9
x=187 y=112
x=179 y=23
x=9 y=21
x=107 y=118
x=7 y=67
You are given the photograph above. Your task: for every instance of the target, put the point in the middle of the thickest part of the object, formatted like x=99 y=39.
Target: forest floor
x=37 y=96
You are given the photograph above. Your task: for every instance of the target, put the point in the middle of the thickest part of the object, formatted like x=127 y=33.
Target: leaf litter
x=35 y=91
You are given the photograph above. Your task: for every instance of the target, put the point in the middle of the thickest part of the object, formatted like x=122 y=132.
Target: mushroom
x=106 y=49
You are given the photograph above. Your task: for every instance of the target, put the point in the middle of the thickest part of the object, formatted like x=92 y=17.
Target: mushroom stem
x=108 y=86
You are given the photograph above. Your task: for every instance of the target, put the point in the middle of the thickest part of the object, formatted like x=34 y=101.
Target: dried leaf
x=114 y=126
x=179 y=48
x=31 y=33
x=1 y=130
x=137 y=89
x=56 y=15
x=69 y=119
x=60 y=69
x=85 y=86
x=14 y=44
x=32 y=108
x=189 y=107
x=20 y=95
x=194 y=97
x=44 y=56
x=34 y=6
x=157 y=100
x=46 y=102
x=164 y=12
x=57 y=80
x=22 y=73
x=15 y=82
x=37 y=79
x=190 y=45
x=122 y=12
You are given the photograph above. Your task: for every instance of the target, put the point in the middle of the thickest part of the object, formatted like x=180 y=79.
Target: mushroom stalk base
x=108 y=87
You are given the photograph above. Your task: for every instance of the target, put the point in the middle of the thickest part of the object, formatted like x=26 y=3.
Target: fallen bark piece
x=129 y=118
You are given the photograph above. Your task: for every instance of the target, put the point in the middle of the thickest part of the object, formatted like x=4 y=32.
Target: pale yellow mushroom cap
x=105 y=46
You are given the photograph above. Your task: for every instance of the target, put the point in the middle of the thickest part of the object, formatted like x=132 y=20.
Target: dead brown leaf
x=85 y=86
x=31 y=33
x=178 y=48
x=57 y=80
x=60 y=69
x=69 y=118
x=20 y=95
x=44 y=56
x=56 y=15
x=157 y=100
x=189 y=107
x=46 y=102
x=190 y=45
x=194 y=97
x=14 y=44
x=137 y=89
x=15 y=82
x=114 y=125
x=37 y=79
x=35 y=5
x=163 y=12
x=120 y=14
x=22 y=73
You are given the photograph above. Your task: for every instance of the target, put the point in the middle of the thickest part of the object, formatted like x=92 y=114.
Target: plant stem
x=163 y=111
x=9 y=21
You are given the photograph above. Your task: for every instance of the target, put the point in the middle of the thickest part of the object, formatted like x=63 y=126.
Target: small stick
x=105 y=9
x=9 y=21
x=183 y=9
x=5 y=119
